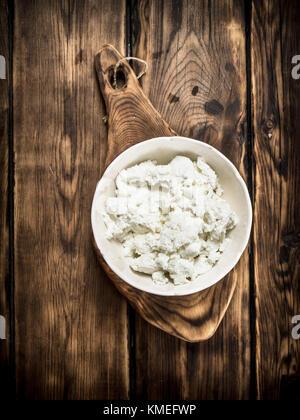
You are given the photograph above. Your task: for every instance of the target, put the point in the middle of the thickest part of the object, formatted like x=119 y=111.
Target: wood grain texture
x=276 y=185
x=71 y=323
x=132 y=119
x=197 y=81
x=4 y=227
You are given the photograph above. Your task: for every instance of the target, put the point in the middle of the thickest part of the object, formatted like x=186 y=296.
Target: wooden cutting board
x=132 y=119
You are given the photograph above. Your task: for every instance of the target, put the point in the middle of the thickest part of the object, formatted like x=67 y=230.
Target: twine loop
x=122 y=60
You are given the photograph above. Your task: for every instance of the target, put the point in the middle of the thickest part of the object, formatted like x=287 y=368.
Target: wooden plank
x=197 y=80
x=4 y=227
x=71 y=323
x=276 y=107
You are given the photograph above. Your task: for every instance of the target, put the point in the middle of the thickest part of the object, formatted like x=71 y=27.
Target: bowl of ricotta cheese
x=171 y=216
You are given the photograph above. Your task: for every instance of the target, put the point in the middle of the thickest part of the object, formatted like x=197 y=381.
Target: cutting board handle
x=131 y=117
x=105 y=63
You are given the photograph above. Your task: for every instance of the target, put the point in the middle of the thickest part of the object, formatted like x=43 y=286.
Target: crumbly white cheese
x=171 y=219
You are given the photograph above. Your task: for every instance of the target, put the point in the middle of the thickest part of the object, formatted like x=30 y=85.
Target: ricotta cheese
x=171 y=219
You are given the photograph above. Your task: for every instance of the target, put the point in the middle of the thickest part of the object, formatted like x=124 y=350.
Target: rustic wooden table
x=219 y=71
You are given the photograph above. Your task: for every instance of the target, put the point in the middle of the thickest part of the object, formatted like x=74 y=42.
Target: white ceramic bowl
x=163 y=150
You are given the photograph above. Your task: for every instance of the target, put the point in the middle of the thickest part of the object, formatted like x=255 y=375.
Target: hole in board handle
x=120 y=78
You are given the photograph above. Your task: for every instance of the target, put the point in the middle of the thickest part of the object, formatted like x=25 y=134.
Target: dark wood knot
x=173 y=98
x=195 y=90
x=213 y=107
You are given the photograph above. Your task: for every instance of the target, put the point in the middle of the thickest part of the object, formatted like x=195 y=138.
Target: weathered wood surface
x=73 y=336
x=70 y=322
x=276 y=185
x=4 y=215
x=132 y=119
x=197 y=80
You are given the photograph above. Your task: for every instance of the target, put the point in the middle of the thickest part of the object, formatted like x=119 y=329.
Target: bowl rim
x=234 y=260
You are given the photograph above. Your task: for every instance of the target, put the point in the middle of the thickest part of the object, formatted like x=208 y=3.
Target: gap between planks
x=252 y=310
x=130 y=311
